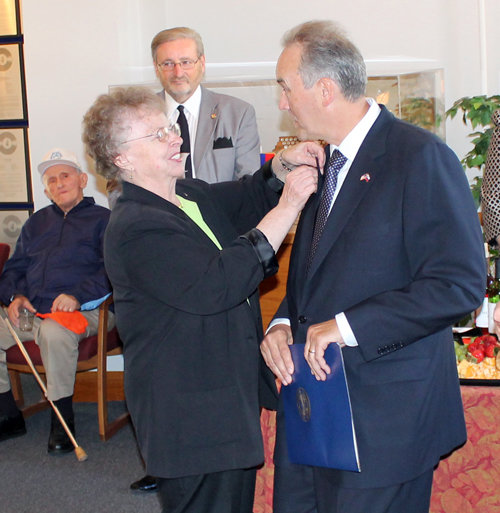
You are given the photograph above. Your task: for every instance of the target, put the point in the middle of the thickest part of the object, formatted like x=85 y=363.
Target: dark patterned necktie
x=186 y=146
x=335 y=164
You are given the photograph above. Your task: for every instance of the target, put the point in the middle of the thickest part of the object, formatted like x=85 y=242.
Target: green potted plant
x=478 y=111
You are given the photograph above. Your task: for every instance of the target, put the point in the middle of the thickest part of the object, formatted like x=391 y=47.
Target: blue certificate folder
x=318 y=417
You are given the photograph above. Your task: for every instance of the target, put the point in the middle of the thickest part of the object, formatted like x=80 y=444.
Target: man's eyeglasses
x=170 y=65
x=161 y=134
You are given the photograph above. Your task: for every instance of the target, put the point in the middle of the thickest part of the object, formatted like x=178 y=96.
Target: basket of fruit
x=478 y=360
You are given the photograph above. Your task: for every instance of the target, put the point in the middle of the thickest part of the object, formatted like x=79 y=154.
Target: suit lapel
x=367 y=161
x=208 y=119
x=300 y=251
x=305 y=229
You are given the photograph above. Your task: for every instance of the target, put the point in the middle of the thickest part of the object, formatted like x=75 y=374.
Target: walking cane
x=80 y=453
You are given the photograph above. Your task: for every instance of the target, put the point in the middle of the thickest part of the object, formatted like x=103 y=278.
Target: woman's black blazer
x=189 y=318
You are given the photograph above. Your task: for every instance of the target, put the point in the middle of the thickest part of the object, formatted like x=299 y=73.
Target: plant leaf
x=476 y=161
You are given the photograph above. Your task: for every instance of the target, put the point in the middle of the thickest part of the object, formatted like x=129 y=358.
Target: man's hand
x=276 y=353
x=319 y=337
x=17 y=304
x=65 y=303
x=306 y=153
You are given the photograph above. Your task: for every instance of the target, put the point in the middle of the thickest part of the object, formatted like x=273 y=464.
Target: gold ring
x=311 y=351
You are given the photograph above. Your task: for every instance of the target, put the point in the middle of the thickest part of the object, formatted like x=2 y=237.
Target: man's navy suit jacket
x=402 y=256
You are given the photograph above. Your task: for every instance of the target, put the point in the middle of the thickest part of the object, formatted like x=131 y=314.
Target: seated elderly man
x=57 y=266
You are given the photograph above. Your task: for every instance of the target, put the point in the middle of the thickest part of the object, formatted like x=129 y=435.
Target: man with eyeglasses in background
x=219 y=131
x=223 y=136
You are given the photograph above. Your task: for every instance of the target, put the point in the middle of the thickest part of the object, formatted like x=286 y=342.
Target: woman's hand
x=299 y=185
x=306 y=153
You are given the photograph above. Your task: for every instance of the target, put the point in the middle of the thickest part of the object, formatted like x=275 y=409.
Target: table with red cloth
x=466 y=482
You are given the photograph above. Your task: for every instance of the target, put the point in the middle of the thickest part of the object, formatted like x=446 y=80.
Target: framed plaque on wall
x=15 y=178
x=10 y=22
x=13 y=105
x=11 y=222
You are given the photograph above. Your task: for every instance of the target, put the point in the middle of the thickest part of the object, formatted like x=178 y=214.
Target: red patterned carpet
x=264 y=487
x=466 y=482
x=469 y=480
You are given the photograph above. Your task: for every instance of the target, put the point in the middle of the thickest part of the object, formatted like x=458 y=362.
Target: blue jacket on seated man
x=57 y=266
x=59 y=253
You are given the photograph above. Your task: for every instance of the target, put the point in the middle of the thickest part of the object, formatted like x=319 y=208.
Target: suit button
x=302 y=319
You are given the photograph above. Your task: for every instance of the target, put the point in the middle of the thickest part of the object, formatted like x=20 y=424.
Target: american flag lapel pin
x=366 y=177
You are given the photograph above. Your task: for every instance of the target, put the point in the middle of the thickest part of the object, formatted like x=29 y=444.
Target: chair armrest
x=105 y=304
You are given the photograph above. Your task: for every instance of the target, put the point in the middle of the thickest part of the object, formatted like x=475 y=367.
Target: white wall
x=74 y=50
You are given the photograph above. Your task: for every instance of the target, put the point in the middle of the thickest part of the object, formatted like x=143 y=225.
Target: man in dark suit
x=388 y=255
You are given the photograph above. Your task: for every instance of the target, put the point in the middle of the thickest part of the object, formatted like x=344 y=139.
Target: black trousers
x=231 y=491
x=293 y=484
x=409 y=497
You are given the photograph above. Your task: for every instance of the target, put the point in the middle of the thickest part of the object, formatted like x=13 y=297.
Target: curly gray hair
x=106 y=123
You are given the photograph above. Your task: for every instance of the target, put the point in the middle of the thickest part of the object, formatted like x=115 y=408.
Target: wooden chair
x=4 y=255
x=92 y=355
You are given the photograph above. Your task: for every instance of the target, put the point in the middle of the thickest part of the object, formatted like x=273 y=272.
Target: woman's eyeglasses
x=161 y=134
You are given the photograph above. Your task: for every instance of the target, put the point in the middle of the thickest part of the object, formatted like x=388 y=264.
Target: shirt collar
x=192 y=104
x=350 y=145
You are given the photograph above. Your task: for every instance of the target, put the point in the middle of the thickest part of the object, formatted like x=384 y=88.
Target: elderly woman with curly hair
x=185 y=260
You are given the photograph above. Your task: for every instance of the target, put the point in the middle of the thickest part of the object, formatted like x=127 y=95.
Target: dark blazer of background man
x=400 y=260
x=227 y=142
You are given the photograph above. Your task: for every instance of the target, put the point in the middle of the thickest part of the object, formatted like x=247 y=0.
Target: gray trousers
x=58 y=348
